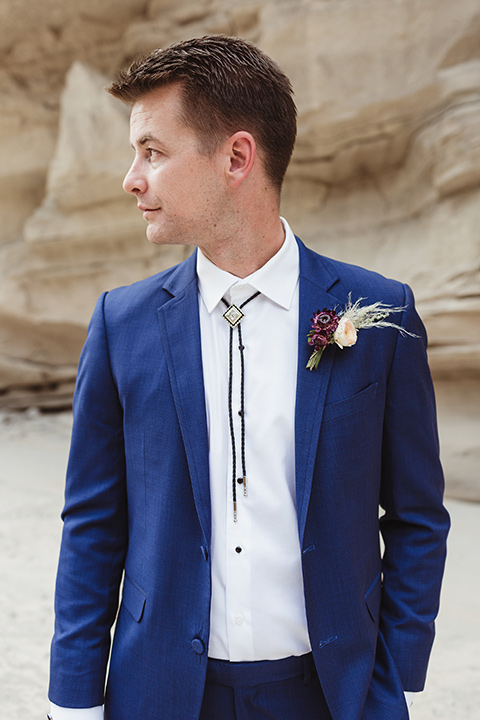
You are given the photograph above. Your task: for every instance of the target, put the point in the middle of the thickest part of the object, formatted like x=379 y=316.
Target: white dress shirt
x=257 y=603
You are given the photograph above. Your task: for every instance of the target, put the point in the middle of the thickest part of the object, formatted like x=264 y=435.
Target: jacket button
x=198 y=646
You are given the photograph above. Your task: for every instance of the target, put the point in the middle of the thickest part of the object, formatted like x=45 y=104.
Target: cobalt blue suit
x=137 y=500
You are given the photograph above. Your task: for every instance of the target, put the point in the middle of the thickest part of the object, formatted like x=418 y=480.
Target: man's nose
x=134 y=181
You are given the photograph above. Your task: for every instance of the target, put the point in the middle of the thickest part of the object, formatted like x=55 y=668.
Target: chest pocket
x=361 y=401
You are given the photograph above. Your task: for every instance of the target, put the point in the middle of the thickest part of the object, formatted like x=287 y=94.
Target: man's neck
x=247 y=250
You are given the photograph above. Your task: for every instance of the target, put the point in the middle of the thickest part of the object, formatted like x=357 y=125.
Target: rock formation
x=386 y=172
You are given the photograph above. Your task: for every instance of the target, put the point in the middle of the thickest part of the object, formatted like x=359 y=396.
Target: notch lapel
x=315 y=280
x=180 y=325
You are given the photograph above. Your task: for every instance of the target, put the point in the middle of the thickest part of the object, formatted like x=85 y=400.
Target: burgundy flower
x=324 y=324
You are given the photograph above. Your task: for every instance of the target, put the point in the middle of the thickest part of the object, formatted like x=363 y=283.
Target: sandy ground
x=33 y=452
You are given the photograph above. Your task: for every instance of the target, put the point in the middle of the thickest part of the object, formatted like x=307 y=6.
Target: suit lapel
x=180 y=326
x=315 y=280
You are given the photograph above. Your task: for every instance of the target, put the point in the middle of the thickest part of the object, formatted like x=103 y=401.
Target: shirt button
x=238 y=549
x=239 y=620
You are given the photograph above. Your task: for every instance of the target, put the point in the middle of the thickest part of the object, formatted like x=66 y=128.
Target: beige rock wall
x=386 y=172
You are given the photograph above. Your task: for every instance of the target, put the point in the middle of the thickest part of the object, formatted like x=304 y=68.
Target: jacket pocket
x=351 y=404
x=373 y=597
x=133 y=599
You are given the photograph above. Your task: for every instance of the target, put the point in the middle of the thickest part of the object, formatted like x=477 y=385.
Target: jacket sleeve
x=415 y=523
x=95 y=530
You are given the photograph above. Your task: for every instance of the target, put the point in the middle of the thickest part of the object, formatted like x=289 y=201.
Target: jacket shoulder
x=346 y=279
x=146 y=296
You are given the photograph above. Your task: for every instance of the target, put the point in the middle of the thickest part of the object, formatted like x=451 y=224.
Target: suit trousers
x=287 y=689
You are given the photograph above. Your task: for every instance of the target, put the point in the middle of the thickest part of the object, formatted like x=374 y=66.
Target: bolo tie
x=234 y=316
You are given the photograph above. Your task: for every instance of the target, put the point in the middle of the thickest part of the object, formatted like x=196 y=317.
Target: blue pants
x=286 y=689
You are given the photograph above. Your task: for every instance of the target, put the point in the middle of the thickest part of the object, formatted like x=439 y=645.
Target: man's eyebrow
x=146 y=139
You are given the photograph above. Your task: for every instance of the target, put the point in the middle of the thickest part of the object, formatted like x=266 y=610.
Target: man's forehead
x=141 y=126
x=146 y=109
x=158 y=107
x=141 y=116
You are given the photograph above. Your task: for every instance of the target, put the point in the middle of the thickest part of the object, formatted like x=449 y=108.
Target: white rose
x=345 y=335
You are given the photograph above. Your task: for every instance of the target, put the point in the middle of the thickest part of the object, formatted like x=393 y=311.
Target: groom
x=235 y=491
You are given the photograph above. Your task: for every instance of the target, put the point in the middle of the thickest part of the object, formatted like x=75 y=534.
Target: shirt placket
x=238 y=534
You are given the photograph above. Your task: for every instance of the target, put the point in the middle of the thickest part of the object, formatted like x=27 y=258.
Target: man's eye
x=151 y=152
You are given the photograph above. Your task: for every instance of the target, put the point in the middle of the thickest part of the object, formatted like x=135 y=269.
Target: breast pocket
x=362 y=401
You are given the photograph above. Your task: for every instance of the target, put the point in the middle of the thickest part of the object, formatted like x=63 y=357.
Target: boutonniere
x=330 y=327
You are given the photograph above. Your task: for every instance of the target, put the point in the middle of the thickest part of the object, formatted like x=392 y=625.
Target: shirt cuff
x=409 y=698
x=61 y=713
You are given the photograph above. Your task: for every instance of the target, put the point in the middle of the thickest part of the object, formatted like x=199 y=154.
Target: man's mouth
x=146 y=209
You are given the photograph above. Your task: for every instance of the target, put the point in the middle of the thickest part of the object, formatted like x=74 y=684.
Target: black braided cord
x=241 y=348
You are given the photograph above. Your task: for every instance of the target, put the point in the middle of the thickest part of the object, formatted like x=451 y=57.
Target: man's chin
x=155 y=236
x=160 y=236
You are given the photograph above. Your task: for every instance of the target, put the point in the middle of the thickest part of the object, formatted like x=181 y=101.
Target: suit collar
x=182 y=276
x=316 y=269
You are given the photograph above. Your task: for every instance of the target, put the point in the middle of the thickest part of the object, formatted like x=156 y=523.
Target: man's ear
x=240 y=157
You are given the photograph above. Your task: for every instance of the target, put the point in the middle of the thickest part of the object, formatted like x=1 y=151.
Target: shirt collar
x=276 y=280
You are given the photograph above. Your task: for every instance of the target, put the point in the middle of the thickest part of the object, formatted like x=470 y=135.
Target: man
x=236 y=490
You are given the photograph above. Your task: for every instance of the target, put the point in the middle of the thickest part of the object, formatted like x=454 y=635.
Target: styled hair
x=227 y=85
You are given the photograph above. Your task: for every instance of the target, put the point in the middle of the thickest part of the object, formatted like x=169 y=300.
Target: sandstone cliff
x=386 y=171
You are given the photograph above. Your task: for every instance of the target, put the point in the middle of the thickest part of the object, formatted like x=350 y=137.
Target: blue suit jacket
x=137 y=499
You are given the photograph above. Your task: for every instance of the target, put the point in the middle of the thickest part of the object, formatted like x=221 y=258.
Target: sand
x=33 y=453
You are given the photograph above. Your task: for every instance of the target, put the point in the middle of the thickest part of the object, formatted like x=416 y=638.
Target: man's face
x=181 y=192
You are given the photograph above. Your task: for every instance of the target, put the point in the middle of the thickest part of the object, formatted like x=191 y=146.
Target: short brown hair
x=228 y=85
